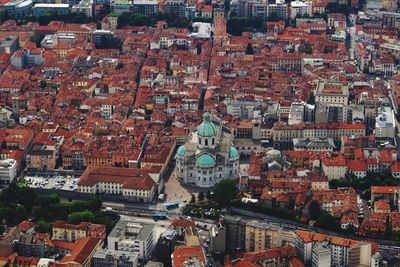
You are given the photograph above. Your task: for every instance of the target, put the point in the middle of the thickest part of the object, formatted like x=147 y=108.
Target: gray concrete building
x=114 y=258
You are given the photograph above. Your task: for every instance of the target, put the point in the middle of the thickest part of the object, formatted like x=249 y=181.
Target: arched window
x=206 y=142
x=200 y=141
x=213 y=141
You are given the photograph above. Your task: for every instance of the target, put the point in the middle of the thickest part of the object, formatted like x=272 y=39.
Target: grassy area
x=22 y=183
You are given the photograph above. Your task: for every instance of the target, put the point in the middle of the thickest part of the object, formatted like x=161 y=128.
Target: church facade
x=208 y=157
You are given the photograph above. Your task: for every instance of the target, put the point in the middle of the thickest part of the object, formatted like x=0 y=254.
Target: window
x=206 y=142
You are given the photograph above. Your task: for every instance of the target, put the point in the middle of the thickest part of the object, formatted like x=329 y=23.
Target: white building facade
x=208 y=157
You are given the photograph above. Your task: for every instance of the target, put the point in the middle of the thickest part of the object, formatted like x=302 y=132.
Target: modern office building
x=132 y=237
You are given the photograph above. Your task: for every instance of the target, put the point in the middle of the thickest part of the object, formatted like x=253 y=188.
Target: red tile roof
x=183 y=253
x=130 y=177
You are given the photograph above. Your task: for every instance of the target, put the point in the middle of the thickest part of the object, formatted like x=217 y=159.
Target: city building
x=64 y=231
x=385 y=123
x=188 y=256
x=9 y=44
x=61 y=38
x=26 y=58
x=299 y=8
x=296 y=113
x=208 y=157
x=261 y=8
x=321 y=255
x=331 y=92
x=133 y=237
x=112 y=258
x=147 y=7
x=175 y=8
x=8 y=170
x=344 y=252
x=30 y=244
x=18 y=8
x=40 y=9
x=384 y=66
x=84 y=6
x=261 y=236
x=121 y=6
x=129 y=183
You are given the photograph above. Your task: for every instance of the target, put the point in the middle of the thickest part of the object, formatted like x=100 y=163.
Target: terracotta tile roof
x=183 y=253
x=130 y=177
x=81 y=250
x=308 y=237
x=384 y=189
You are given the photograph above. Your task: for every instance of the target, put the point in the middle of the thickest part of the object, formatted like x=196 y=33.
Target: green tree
x=83 y=216
x=20 y=213
x=225 y=191
x=249 y=49
x=328 y=222
x=193 y=199
x=314 y=210
x=43 y=84
x=200 y=197
x=43 y=227
x=208 y=195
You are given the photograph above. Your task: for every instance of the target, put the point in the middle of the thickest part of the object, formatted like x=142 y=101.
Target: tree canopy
x=225 y=191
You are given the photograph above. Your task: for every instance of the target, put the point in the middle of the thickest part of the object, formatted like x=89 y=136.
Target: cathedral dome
x=233 y=153
x=207 y=128
x=205 y=160
x=181 y=151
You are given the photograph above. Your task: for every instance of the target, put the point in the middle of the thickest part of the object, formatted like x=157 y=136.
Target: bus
x=161 y=197
x=172 y=205
x=159 y=216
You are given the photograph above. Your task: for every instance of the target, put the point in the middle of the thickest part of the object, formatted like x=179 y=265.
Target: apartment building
x=67 y=232
x=262 y=236
x=298 y=8
x=344 y=252
x=251 y=236
x=385 y=123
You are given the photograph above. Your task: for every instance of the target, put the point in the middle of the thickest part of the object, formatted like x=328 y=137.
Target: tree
x=200 y=197
x=225 y=191
x=193 y=199
x=328 y=222
x=314 y=210
x=208 y=195
x=43 y=227
x=43 y=84
x=249 y=49
x=20 y=213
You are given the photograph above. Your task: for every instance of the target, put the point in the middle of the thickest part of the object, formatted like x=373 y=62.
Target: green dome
x=205 y=160
x=207 y=128
x=181 y=151
x=233 y=153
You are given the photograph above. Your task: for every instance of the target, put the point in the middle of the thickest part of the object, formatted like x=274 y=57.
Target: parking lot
x=67 y=183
